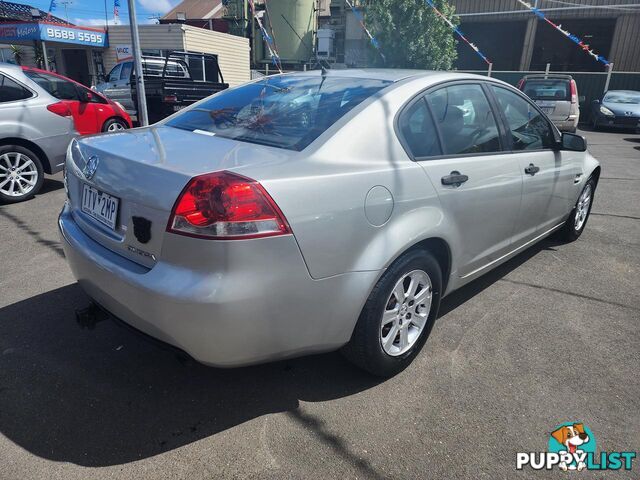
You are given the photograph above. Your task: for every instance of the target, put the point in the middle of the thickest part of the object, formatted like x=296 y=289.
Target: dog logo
x=574 y=440
x=91 y=166
x=572 y=447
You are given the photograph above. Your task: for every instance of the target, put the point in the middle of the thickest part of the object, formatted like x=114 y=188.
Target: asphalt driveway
x=552 y=336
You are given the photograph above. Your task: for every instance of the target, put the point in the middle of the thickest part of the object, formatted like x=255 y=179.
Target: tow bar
x=88 y=317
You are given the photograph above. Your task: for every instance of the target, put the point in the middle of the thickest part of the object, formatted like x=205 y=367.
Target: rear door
x=453 y=134
x=549 y=175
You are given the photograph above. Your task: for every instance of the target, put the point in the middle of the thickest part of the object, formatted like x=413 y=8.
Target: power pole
x=143 y=117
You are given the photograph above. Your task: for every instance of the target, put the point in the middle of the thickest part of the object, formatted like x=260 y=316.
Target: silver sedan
x=315 y=211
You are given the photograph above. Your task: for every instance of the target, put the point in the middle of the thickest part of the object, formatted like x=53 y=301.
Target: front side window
x=464 y=117
x=58 y=87
x=11 y=91
x=114 y=75
x=282 y=111
x=416 y=126
x=529 y=129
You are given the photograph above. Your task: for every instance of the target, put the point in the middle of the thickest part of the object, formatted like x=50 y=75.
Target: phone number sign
x=52 y=33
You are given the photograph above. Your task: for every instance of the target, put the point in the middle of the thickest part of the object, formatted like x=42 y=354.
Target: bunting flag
x=52 y=6
x=116 y=11
x=578 y=41
x=458 y=32
x=360 y=19
x=275 y=58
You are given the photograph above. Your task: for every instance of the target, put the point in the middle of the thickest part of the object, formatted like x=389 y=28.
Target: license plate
x=547 y=110
x=99 y=205
x=177 y=108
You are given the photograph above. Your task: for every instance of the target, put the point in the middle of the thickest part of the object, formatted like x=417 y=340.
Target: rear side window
x=548 y=89
x=529 y=129
x=464 y=117
x=282 y=111
x=11 y=91
x=416 y=126
x=58 y=87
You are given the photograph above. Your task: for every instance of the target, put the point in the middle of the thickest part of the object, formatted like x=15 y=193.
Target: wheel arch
x=595 y=174
x=440 y=249
x=42 y=156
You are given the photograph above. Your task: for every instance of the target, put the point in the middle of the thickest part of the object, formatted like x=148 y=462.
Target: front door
x=76 y=65
x=548 y=173
x=478 y=184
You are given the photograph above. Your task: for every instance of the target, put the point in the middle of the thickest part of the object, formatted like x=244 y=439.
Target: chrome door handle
x=455 y=178
x=531 y=169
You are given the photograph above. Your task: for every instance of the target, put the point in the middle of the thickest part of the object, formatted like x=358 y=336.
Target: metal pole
x=546 y=70
x=44 y=55
x=606 y=83
x=490 y=69
x=143 y=117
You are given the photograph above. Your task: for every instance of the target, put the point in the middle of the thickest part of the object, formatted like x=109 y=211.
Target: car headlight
x=604 y=110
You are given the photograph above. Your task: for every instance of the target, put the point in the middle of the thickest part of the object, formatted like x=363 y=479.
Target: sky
x=92 y=12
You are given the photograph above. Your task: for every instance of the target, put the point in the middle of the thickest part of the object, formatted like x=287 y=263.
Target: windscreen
x=548 y=89
x=628 y=98
x=281 y=111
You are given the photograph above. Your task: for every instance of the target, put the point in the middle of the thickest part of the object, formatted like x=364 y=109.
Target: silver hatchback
x=314 y=211
x=35 y=130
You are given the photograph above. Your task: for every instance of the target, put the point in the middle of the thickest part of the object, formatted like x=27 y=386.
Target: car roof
x=550 y=76
x=10 y=67
x=385 y=74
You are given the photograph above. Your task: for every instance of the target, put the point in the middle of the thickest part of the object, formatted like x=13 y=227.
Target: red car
x=91 y=111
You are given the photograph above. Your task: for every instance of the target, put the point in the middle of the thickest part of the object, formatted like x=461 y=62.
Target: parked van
x=557 y=96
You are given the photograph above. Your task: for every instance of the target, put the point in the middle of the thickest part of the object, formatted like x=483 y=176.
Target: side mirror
x=596 y=102
x=573 y=142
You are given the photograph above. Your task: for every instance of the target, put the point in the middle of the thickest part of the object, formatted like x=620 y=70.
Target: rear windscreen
x=548 y=89
x=281 y=111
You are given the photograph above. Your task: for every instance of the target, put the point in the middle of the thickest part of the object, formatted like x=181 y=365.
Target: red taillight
x=171 y=99
x=574 y=92
x=521 y=83
x=60 y=108
x=226 y=206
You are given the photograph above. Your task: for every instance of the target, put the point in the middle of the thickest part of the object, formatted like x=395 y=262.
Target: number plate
x=99 y=205
x=177 y=108
x=547 y=110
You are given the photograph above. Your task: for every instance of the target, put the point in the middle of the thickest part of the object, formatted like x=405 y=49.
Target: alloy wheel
x=406 y=313
x=115 y=127
x=582 y=208
x=18 y=174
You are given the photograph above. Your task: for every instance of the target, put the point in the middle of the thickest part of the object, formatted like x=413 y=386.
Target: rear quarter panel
x=323 y=192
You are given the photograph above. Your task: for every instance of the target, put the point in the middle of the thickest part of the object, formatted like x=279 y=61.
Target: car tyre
x=577 y=221
x=20 y=169
x=114 y=125
x=384 y=346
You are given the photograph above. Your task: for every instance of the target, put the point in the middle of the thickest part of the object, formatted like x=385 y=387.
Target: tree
x=411 y=35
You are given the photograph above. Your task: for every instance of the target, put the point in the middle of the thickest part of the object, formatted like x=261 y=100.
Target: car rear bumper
x=261 y=307
x=566 y=125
